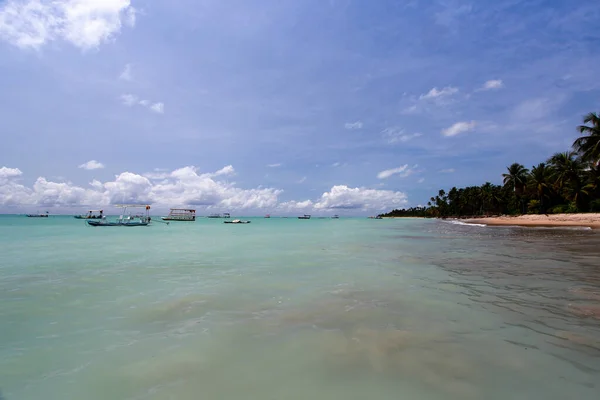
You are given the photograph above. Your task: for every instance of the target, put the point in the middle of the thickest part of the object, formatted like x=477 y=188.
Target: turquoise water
x=291 y=309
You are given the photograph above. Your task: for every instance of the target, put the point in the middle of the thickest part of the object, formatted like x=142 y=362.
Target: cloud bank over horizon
x=183 y=187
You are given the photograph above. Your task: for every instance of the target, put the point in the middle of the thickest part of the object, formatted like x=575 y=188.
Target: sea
x=282 y=308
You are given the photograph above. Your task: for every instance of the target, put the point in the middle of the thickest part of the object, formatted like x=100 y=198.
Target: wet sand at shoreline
x=591 y=220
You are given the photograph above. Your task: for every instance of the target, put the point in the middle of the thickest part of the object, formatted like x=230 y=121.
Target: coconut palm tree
x=516 y=177
x=567 y=171
x=588 y=146
x=539 y=183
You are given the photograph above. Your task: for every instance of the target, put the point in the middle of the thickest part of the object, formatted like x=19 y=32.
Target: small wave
x=455 y=222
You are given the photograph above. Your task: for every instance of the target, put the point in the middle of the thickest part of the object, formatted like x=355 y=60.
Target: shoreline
x=591 y=220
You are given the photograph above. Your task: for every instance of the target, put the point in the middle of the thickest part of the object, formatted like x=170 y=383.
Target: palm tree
x=516 y=177
x=567 y=171
x=539 y=183
x=588 y=146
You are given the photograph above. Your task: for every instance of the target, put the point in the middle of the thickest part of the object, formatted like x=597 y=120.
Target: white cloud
x=83 y=23
x=6 y=173
x=353 y=125
x=92 y=164
x=410 y=110
x=158 y=108
x=126 y=74
x=184 y=186
x=344 y=197
x=227 y=170
x=421 y=180
x=403 y=171
x=448 y=171
x=302 y=180
x=395 y=135
x=274 y=165
x=435 y=93
x=493 y=84
x=129 y=99
x=459 y=127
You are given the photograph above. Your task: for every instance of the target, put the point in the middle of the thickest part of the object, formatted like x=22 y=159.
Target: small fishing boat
x=126 y=220
x=180 y=214
x=305 y=216
x=38 y=215
x=91 y=215
x=335 y=217
x=236 y=221
x=268 y=216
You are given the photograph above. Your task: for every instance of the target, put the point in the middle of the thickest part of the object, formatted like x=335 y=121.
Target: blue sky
x=284 y=106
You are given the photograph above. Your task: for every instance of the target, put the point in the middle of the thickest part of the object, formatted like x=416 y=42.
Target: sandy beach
x=551 y=220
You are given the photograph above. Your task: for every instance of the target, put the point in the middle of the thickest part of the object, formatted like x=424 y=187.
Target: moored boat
x=224 y=215
x=91 y=215
x=305 y=216
x=126 y=220
x=236 y=221
x=180 y=214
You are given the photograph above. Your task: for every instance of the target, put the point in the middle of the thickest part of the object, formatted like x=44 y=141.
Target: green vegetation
x=567 y=182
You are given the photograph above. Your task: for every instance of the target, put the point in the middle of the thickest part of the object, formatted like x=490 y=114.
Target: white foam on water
x=456 y=222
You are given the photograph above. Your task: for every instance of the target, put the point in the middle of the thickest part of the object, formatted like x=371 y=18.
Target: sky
x=348 y=107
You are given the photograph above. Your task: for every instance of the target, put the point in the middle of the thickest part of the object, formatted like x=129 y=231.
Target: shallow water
x=284 y=308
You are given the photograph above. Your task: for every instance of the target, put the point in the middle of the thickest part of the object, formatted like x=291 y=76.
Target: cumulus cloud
x=353 y=125
x=83 y=23
x=403 y=171
x=458 y=128
x=158 y=108
x=126 y=74
x=92 y=164
x=344 y=197
x=436 y=93
x=6 y=173
x=227 y=170
x=493 y=84
x=398 y=135
x=183 y=186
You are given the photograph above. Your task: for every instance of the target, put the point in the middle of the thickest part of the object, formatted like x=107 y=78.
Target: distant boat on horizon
x=224 y=215
x=37 y=215
x=305 y=216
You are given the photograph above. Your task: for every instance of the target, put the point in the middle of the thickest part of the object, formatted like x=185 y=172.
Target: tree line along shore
x=566 y=183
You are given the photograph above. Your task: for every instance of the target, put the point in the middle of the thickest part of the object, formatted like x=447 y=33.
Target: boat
x=224 y=215
x=126 y=220
x=38 y=215
x=268 y=216
x=180 y=214
x=91 y=215
x=236 y=221
x=335 y=217
x=305 y=216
